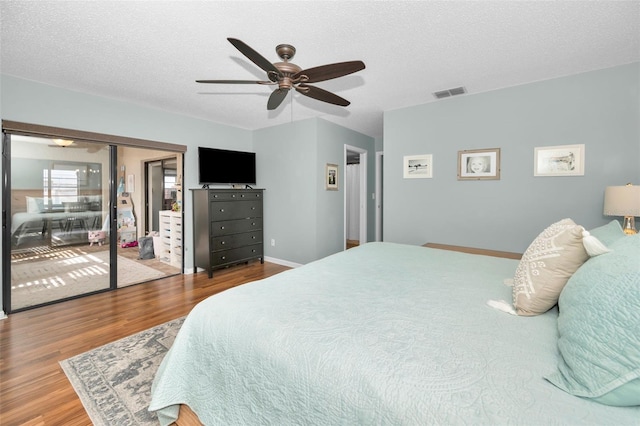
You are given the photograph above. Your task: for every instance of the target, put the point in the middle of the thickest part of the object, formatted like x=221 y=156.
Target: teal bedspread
x=383 y=334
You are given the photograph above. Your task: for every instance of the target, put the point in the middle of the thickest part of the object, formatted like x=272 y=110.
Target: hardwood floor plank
x=33 y=388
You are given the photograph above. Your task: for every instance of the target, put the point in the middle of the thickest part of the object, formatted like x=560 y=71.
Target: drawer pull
x=253 y=251
x=223 y=242
x=223 y=257
x=253 y=208
x=221 y=210
x=222 y=227
x=253 y=224
x=253 y=237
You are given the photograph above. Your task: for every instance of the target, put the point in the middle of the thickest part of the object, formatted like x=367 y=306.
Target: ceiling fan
x=287 y=75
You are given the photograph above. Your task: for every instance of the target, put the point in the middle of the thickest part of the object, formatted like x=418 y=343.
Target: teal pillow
x=599 y=324
x=609 y=233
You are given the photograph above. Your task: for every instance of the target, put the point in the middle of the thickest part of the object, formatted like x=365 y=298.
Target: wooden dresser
x=227 y=227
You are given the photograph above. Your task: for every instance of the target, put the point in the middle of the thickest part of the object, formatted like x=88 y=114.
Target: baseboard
x=188 y=271
x=282 y=262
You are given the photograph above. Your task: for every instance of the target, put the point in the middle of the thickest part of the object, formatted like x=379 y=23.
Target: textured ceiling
x=151 y=52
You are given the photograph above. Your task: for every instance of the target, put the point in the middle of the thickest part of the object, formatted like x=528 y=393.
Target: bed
x=380 y=334
x=40 y=220
x=22 y=224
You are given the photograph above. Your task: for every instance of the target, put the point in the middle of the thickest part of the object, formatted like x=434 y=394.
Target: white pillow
x=35 y=205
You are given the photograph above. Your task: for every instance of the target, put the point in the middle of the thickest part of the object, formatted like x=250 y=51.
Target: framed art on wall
x=331 y=177
x=131 y=186
x=561 y=160
x=479 y=164
x=418 y=166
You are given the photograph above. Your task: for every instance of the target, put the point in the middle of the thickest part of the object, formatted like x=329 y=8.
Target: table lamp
x=623 y=201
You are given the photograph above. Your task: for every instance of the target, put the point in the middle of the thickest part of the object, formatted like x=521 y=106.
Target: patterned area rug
x=33 y=283
x=114 y=380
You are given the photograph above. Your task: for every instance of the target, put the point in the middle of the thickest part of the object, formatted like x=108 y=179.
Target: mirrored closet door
x=59 y=192
x=80 y=215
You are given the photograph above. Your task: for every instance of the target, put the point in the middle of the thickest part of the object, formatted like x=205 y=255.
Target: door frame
x=362 y=194
x=379 y=197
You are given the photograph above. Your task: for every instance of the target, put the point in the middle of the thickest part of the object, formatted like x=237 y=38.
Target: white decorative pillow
x=546 y=266
x=34 y=204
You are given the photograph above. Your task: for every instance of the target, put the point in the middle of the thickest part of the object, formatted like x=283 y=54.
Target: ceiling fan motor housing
x=288 y=70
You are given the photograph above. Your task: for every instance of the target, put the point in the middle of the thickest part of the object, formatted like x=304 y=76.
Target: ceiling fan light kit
x=63 y=142
x=287 y=75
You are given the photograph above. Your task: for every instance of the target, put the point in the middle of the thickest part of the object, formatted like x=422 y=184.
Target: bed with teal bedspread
x=381 y=334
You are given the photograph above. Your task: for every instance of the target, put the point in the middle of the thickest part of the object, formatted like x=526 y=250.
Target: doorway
x=162 y=190
x=355 y=202
x=379 y=194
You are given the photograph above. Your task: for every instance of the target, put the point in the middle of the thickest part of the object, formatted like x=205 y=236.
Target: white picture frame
x=418 y=166
x=560 y=160
x=131 y=183
x=479 y=164
x=331 y=177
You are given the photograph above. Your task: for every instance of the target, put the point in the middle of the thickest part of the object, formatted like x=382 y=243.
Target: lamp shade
x=622 y=200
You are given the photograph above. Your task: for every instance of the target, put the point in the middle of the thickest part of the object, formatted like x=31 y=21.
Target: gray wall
x=599 y=109
x=305 y=220
x=286 y=157
x=290 y=160
x=330 y=146
x=36 y=103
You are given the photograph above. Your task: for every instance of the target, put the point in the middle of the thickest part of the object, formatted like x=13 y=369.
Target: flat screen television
x=222 y=166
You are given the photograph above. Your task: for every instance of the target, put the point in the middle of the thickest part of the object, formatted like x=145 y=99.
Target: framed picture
x=418 y=166
x=479 y=164
x=331 y=177
x=561 y=160
x=131 y=185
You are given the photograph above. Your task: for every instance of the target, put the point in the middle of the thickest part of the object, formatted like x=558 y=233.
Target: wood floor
x=33 y=388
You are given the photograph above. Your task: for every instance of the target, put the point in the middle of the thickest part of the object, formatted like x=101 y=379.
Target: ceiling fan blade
x=327 y=72
x=235 y=82
x=321 y=95
x=256 y=58
x=276 y=98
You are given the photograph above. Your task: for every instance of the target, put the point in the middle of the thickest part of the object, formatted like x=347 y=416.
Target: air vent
x=450 y=92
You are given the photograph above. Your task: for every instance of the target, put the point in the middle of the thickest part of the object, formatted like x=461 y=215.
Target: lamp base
x=629 y=225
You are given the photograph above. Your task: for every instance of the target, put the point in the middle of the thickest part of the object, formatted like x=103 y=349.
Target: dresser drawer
x=225 y=210
x=234 y=195
x=230 y=241
x=227 y=227
x=240 y=254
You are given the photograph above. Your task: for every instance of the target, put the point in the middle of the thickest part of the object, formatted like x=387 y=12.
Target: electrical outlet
x=273 y=242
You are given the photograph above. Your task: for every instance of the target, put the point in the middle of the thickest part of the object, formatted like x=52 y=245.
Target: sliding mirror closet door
x=59 y=193
x=149 y=229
